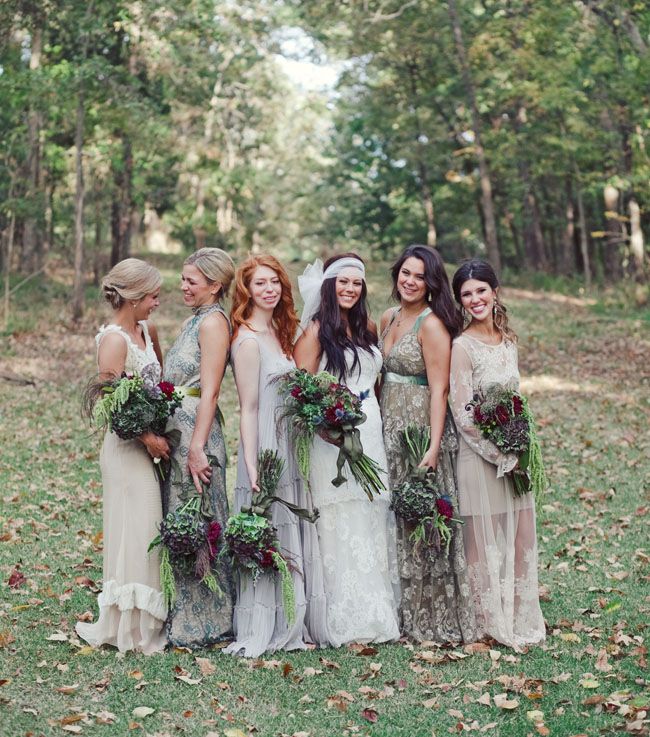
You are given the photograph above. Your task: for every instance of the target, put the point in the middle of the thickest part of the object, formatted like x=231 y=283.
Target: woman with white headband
x=357 y=536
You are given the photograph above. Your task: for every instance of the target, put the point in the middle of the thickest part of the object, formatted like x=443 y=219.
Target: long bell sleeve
x=461 y=392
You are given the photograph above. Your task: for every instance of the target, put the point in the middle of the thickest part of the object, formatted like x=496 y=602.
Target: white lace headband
x=311 y=281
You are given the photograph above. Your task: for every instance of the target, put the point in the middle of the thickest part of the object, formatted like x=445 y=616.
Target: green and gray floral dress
x=436 y=602
x=199 y=617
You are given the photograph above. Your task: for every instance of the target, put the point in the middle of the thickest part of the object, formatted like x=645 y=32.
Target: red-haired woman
x=264 y=324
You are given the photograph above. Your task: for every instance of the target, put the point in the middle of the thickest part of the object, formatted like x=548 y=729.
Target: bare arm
x=307 y=352
x=436 y=351
x=111 y=359
x=214 y=342
x=247 y=377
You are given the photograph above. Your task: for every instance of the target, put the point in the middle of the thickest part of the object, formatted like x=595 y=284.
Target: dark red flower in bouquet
x=212 y=536
x=167 y=388
x=296 y=392
x=444 y=508
x=502 y=415
x=267 y=558
x=517 y=405
x=478 y=415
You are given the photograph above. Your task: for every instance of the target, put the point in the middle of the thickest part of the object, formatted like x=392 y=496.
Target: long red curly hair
x=285 y=319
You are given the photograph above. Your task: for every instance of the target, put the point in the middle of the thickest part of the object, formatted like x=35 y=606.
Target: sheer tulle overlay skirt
x=131 y=608
x=501 y=552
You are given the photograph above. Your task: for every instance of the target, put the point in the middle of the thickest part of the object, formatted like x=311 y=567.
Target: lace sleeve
x=461 y=392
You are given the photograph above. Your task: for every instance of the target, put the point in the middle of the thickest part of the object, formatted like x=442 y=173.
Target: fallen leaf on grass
x=359 y=649
x=16 y=578
x=431 y=704
x=206 y=666
x=6 y=638
x=68 y=689
x=601 y=661
x=310 y=672
x=57 y=637
x=370 y=715
x=329 y=664
x=105 y=717
x=72 y=718
x=484 y=699
x=140 y=712
x=234 y=733
x=535 y=715
x=476 y=647
x=74 y=728
x=589 y=683
x=503 y=702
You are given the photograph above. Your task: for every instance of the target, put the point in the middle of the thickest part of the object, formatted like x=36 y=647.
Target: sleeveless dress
x=357 y=536
x=436 y=603
x=259 y=623
x=199 y=617
x=131 y=607
x=499 y=530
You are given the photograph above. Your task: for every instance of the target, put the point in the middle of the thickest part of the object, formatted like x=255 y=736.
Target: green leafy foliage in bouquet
x=251 y=538
x=317 y=404
x=503 y=416
x=418 y=500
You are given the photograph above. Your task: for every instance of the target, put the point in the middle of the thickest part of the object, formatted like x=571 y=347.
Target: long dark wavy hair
x=332 y=334
x=438 y=296
x=476 y=268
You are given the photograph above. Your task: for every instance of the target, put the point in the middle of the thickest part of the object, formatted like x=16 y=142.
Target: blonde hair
x=131 y=279
x=215 y=265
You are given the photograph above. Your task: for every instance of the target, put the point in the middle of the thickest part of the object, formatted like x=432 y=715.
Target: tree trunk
x=122 y=204
x=615 y=233
x=78 y=289
x=637 y=247
x=534 y=246
x=32 y=230
x=567 y=260
x=8 y=257
x=487 y=202
x=584 y=243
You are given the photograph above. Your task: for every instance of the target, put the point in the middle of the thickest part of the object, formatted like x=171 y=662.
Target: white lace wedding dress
x=499 y=527
x=356 y=535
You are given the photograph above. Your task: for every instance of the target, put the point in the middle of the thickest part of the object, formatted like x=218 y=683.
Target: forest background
x=507 y=128
x=515 y=130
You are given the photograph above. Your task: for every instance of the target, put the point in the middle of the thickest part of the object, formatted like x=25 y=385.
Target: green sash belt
x=189 y=391
x=392 y=378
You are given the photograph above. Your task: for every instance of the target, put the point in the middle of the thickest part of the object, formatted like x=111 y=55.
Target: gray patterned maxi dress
x=436 y=602
x=199 y=617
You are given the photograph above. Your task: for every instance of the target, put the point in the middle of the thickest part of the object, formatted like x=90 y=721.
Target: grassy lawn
x=585 y=370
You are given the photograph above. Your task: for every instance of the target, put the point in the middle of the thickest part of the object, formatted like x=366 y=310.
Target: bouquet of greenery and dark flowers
x=503 y=417
x=134 y=403
x=419 y=500
x=189 y=540
x=251 y=540
x=319 y=405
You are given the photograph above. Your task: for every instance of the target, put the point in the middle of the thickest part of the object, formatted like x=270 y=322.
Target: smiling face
x=410 y=281
x=147 y=305
x=197 y=290
x=349 y=285
x=478 y=298
x=265 y=288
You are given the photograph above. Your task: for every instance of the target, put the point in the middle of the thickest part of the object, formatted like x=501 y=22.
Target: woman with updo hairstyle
x=356 y=535
x=196 y=362
x=264 y=322
x=499 y=527
x=416 y=343
x=132 y=610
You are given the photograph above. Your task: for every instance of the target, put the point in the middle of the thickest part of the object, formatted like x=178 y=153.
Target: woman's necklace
x=401 y=317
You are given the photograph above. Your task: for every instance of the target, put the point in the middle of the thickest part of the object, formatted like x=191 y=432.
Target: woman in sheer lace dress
x=356 y=536
x=416 y=344
x=499 y=529
x=131 y=606
x=264 y=324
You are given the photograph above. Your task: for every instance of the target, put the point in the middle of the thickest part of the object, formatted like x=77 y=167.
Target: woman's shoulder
x=113 y=330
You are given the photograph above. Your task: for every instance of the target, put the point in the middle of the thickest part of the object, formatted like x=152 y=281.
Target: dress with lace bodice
x=131 y=607
x=499 y=530
x=436 y=603
x=357 y=536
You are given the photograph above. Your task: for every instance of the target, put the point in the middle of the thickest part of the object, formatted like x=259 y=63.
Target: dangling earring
x=494 y=309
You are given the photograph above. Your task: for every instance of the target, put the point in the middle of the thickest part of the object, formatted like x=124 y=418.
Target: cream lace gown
x=499 y=530
x=357 y=536
x=131 y=608
x=436 y=603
